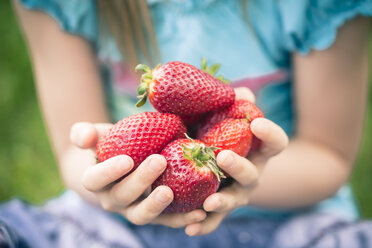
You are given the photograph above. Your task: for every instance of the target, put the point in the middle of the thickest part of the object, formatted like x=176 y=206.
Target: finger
x=145 y=211
x=244 y=93
x=100 y=175
x=135 y=184
x=227 y=199
x=178 y=220
x=86 y=134
x=273 y=138
x=241 y=169
x=207 y=226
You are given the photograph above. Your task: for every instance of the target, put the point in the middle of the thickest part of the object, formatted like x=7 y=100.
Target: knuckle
x=153 y=209
x=187 y=218
x=144 y=178
x=190 y=220
x=119 y=196
x=250 y=178
x=144 y=175
x=86 y=182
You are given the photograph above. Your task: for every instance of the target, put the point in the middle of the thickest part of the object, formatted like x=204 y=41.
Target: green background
x=27 y=165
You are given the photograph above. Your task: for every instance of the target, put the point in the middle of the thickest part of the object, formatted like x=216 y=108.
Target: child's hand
x=246 y=173
x=129 y=196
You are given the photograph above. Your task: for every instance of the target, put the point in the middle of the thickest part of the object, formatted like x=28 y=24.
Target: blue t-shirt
x=254 y=53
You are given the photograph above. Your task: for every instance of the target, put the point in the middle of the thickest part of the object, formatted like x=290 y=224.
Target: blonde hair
x=129 y=22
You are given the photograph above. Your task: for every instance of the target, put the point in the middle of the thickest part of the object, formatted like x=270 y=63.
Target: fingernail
x=82 y=136
x=79 y=133
x=227 y=159
x=162 y=197
x=155 y=165
x=191 y=231
x=124 y=163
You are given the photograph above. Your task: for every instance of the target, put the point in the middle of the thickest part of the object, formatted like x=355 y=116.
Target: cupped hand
x=129 y=196
x=245 y=172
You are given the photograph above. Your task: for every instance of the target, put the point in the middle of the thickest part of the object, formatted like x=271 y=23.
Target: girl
x=306 y=62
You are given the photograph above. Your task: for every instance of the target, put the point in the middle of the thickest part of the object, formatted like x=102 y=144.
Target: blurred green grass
x=27 y=165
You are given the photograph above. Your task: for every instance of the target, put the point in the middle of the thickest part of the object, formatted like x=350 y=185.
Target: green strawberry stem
x=143 y=88
x=212 y=70
x=248 y=117
x=203 y=156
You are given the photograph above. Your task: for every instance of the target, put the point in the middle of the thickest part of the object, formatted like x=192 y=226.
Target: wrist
x=72 y=165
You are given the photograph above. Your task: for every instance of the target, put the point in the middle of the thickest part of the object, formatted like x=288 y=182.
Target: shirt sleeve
x=313 y=24
x=77 y=17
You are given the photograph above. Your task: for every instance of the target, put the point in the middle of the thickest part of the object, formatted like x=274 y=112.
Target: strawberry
x=139 y=136
x=240 y=109
x=183 y=89
x=192 y=174
x=230 y=134
x=192 y=120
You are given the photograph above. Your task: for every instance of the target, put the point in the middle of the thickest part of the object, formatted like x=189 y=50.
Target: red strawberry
x=183 y=89
x=139 y=136
x=230 y=134
x=240 y=109
x=192 y=174
x=192 y=120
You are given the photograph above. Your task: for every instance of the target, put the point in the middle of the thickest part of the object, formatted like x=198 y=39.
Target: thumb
x=274 y=139
x=85 y=134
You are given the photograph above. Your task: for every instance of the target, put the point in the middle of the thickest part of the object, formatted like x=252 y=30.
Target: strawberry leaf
x=142 y=89
x=142 y=67
x=142 y=101
x=212 y=70
x=196 y=151
x=204 y=157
